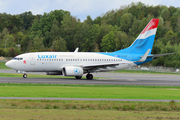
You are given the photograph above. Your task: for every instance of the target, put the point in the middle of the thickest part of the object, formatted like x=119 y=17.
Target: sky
x=78 y=8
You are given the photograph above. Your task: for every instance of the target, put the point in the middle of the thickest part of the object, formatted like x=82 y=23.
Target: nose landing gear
x=25 y=76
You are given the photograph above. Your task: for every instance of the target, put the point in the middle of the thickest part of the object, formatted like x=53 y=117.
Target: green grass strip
x=89 y=91
x=31 y=75
x=3 y=66
x=89 y=105
x=38 y=76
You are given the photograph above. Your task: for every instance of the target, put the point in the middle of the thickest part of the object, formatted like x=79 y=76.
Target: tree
x=133 y=31
x=25 y=42
x=178 y=23
x=27 y=19
x=165 y=14
x=37 y=44
x=89 y=20
x=44 y=26
x=94 y=35
x=126 y=22
x=59 y=45
x=68 y=28
x=170 y=35
x=121 y=40
x=108 y=43
x=55 y=31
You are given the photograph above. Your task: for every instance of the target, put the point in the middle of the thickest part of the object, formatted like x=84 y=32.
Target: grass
x=13 y=109
x=31 y=75
x=89 y=105
x=38 y=76
x=3 y=66
x=67 y=109
x=90 y=91
x=49 y=114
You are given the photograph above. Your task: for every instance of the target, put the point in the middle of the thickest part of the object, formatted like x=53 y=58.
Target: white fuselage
x=55 y=61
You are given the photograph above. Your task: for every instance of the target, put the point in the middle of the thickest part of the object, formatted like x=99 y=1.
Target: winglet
x=76 y=49
x=144 y=56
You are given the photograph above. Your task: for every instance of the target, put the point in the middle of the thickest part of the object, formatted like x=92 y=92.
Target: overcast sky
x=78 y=8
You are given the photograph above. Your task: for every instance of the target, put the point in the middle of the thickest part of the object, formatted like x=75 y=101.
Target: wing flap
x=106 y=64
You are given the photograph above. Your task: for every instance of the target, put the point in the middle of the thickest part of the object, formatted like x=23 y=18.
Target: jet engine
x=72 y=71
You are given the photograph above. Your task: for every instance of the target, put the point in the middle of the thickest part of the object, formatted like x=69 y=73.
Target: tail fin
x=144 y=41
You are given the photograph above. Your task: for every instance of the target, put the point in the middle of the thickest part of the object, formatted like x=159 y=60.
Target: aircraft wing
x=105 y=64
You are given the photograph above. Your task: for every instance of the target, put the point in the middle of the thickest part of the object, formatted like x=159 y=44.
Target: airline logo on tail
x=152 y=25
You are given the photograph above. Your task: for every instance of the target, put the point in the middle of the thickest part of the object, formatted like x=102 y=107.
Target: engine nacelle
x=53 y=73
x=72 y=71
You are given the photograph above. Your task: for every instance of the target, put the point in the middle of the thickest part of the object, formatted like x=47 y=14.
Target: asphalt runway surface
x=107 y=78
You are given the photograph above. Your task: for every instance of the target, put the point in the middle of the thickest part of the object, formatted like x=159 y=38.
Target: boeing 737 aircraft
x=79 y=63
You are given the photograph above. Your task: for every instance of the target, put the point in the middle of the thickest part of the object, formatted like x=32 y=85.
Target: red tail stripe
x=152 y=25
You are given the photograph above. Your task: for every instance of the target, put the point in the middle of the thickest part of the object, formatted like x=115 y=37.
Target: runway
x=107 y=78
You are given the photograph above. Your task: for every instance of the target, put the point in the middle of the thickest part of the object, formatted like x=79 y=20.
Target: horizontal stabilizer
x=144 y=57
x=158 y=55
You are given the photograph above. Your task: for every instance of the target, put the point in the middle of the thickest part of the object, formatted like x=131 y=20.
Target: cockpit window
x=17 y=58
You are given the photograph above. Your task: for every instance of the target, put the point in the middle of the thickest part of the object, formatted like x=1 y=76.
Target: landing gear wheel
x=89 y=76
x=25 y=76
x=78 y=77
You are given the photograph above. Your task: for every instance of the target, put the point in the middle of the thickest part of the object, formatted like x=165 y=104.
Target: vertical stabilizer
x=144 y=41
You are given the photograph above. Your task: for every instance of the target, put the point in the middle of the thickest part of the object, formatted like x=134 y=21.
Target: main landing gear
x=25 y=76
x=88 y=76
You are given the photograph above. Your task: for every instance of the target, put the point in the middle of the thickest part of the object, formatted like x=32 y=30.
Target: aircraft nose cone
x=8 y=64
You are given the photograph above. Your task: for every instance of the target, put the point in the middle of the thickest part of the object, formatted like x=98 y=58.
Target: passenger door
x=32 y=60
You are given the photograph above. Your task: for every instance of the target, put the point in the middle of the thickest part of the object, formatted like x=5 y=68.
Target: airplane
x=79 y=63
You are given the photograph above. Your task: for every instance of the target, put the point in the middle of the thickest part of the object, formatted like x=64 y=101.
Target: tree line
x=114 y=30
